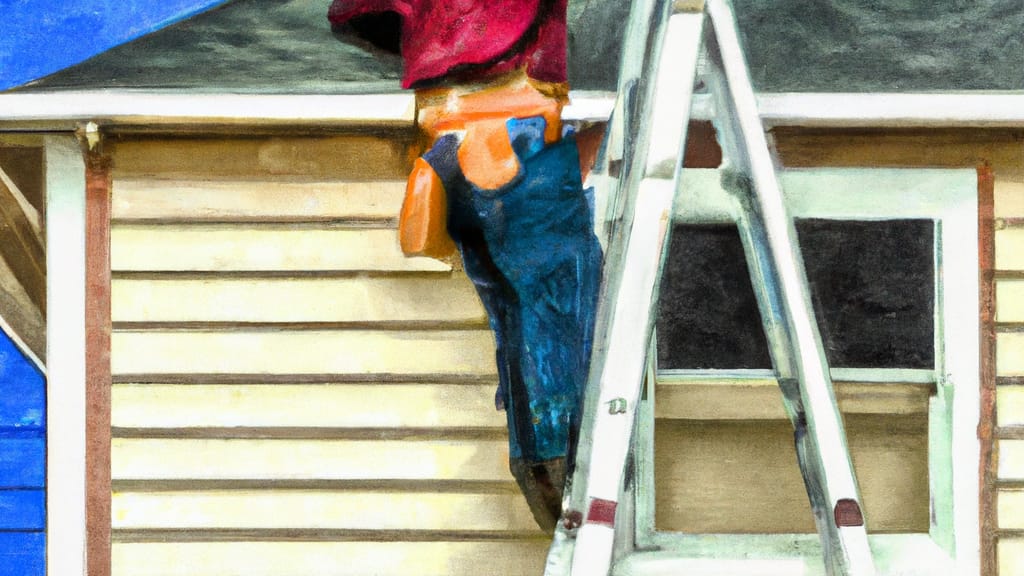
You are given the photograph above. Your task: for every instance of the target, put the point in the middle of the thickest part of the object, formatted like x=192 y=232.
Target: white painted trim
x=893 y=110
x=882 y=110
x=776 y=555
x=65 y=337
x=589 y=106
x=61 y=110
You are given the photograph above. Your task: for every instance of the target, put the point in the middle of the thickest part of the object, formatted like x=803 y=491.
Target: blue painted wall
x=22 y=464
x=42 y=36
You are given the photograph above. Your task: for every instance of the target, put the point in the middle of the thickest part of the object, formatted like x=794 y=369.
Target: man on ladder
x=652 y=114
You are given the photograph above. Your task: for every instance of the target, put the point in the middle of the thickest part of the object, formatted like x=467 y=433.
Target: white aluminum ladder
x=663 y=44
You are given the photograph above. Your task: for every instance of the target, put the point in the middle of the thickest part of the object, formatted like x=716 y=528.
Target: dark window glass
x=872 y=285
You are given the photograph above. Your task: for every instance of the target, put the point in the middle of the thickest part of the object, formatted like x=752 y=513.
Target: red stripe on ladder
x=602 y=512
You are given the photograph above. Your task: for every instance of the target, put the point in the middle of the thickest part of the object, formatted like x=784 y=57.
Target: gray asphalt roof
x=286 y=46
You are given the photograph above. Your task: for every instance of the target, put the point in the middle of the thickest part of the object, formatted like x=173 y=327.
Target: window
x=891 y=262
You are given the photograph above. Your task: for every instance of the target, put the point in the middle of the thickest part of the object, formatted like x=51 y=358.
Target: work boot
x=542 y=484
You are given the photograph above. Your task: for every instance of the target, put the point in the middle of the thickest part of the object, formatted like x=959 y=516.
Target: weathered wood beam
x=21 y=246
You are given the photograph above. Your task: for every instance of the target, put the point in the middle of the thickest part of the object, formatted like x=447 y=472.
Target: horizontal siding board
x=238 y=248
x=1010 y=354
x=22 y=554
x=298 y=509
x=1011 y=460
x=1010 y=405
x=374 y=405
x=1011 y=556
x=762 y=400
x=304 y=352
x=22 y=509
x=346 y=157
x=1011 y=509
x=359 y=299
x=524 y=558
x=240 y=201
x=1010 y=299
x=151 y=459
x=22 y=462
x=1010 y=249
x=1009 y=197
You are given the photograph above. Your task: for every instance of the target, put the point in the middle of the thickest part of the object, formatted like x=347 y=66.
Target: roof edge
x=65 y=110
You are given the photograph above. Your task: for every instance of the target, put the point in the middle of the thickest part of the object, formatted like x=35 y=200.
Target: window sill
x=779 y=555
x=755 y=395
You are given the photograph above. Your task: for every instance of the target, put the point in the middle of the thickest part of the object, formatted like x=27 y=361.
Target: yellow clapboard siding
x=1010 y=405
x=1011 y=459
x=1011 y=509
x=1010 y=354
x=155 y=199
x=343 y=157
x=1011 y=556
x=1010 y=301
x=1009 y=197
x=253 y=248
x=297 y=509
x=723 y=476
x=468 y=352
x=373 y=405
x=208 y=459
x=520 y=558
x=762 y=400
x=359 y=299
x=1010 y=249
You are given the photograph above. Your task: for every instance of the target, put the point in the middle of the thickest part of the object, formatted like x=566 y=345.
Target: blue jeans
x=530 y=250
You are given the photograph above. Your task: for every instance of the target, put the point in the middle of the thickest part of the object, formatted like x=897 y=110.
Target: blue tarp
x=43 y=36
x=22 y=463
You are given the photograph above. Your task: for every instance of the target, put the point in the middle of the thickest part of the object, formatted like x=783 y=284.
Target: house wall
x=292 y=395
x=1002 y=427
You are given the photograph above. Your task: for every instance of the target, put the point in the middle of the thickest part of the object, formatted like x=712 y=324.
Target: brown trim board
x=97 y=352
x=987 y=419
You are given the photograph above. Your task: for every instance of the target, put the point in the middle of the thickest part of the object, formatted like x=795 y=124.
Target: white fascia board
x=65 y=109
x=878 y=110
x=922 y=110
x=61 y=110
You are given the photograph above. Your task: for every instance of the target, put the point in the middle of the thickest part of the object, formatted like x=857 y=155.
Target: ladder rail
x=623 y=146
x=632 y=274
x=821 y=440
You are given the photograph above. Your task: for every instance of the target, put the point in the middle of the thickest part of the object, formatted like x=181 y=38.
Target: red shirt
x=469 y=40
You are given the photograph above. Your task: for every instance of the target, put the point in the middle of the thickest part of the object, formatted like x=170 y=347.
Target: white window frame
x=947 y=196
